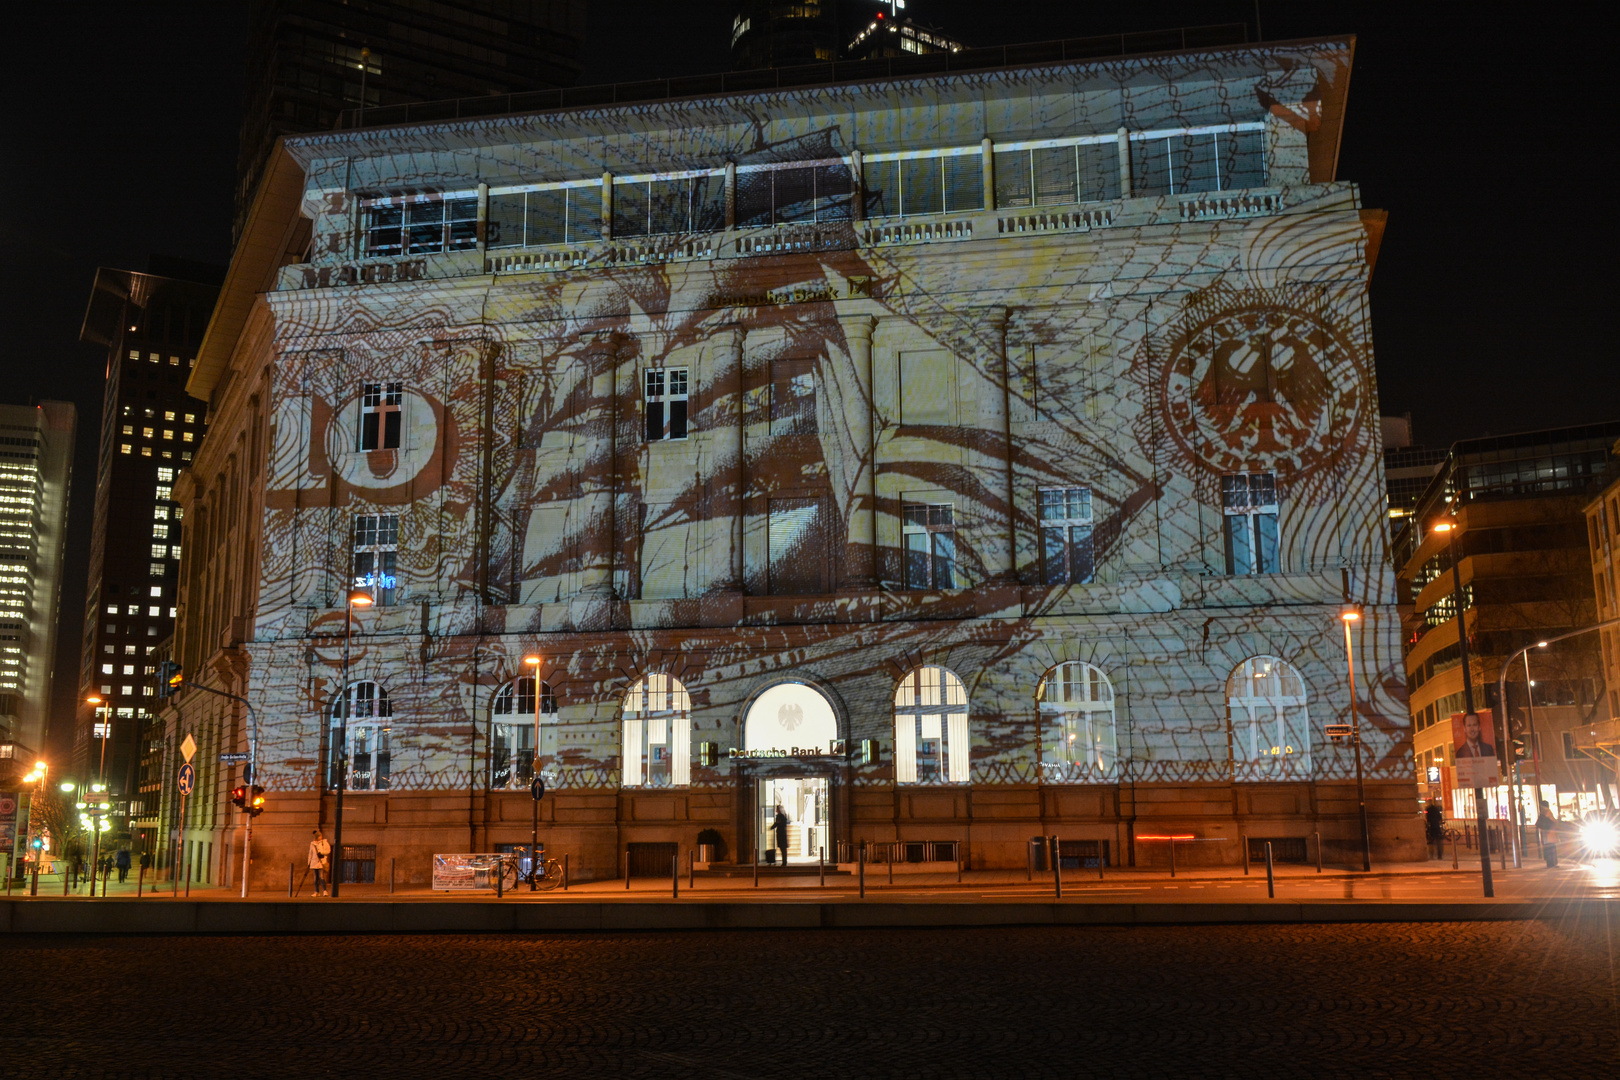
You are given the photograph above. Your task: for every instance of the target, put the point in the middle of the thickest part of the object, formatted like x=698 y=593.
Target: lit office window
x=512 y=747
x=1078 y=735
x=931 y=728
x=1270 y=725
x=657 y=725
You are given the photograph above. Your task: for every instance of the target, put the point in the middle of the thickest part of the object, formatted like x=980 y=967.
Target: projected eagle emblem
x=1262 y=381
x=790 y=716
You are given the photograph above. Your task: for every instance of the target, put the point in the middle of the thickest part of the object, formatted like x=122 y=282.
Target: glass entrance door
x=804 y=801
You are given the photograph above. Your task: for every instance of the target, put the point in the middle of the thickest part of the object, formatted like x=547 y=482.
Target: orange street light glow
x=360 y=599
x=1443 y=527
x=1349 y=616
x=533 y=661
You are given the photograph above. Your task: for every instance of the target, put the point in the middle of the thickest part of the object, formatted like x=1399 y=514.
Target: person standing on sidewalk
x=779 y=826
x=320 y=858
x=1547 y=825
x=1434 y=830
x=122 y=862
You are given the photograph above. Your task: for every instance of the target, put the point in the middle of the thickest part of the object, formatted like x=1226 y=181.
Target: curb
x=200 y=917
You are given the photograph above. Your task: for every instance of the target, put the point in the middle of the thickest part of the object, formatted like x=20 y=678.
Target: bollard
x=675 y=875
x=565 y=873
x=691 y=869
x=33 y=883
x=1172 y=858
x=1244 y=840
x=959 y=868
x=188 y=881
x=1454 y=851
x=1501 y=844
x=756 y=869
x=1029 y=861
x=1057 y=866
x=1102 y=857
x=626 y=869
x=140 y=880
x=390 y=875
x=1271 y=883
x=891 y=862
x=289 y=881
x=500 y=881
x=1318 y=853
x=861 y=861
x=8 y=875
x=65 y=886
x=821 y=868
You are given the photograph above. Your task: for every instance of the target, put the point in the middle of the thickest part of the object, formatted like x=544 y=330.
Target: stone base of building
x=988 y=827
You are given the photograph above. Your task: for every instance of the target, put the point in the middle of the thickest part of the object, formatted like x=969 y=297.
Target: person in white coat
x=320 y=861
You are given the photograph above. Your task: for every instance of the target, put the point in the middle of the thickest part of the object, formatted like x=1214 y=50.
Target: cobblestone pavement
x=1399 y=1000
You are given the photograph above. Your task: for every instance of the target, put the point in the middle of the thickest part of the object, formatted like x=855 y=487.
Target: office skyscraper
x=36 y=465
x=151 y=325
x=308 y=60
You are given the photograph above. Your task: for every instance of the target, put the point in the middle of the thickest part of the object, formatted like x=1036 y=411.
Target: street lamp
x=1349 y=616
x=356 y=599
x=105 y=709
x=1449 y=530
x=535 y=783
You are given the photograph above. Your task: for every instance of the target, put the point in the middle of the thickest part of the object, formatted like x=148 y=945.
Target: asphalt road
x=1473 y=1000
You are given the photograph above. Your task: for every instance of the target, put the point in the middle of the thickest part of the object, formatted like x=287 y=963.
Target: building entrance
x=804 y=800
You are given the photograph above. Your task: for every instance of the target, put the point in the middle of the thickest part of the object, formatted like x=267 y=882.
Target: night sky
x=1482 y=129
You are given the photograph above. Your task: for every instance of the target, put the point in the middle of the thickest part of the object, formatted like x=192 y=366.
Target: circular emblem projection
x=1262 y=381
x=789 y=716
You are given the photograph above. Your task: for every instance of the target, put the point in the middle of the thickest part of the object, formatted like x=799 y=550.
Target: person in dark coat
x=780 y=828
x=1547 y=826
x=1434 y=829
x=122 y=862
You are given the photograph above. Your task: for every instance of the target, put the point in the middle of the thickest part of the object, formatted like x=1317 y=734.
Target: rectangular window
x=160 y=551
x=793 y=397
x=376 y=555
x=1249 y=504
x=380 y=405
x=909 y=186
x=1057 y=175
x=1206 y=161
x=146 y=433
x=929 y=531
x=658 y=206
x=421 y=227
x=1067 y=557
x=555 y=215
x=665 y=399
x=782 y=196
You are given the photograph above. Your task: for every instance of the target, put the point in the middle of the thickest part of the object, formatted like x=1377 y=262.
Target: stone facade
x=906 y=325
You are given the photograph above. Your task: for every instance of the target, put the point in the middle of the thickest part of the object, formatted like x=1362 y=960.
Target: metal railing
x=1070 y=50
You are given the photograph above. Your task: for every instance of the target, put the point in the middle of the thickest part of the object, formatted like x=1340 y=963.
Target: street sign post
x=188 y=747
x=234 y=759
x=1338 y=732
x=188 y=778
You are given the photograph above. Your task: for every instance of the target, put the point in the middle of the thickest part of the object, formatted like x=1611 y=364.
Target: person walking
x=1547 y=825
x=122 y=862
x=779 y=827
x=1434 y=830
x=320 y=860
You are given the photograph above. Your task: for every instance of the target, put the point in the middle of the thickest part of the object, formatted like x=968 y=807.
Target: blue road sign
x=188 y=778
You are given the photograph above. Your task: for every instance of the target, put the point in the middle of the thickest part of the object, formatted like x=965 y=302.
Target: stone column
x=998 y=427
x=989 y=166
x=729 y=353
x=861 y=561
x=599 y=483
x=1125 y=186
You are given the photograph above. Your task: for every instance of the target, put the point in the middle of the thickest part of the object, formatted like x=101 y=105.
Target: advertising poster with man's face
x=1473 y=748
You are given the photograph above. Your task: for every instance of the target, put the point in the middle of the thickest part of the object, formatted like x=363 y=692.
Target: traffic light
x=239 y=795
x=169 y=678
x=255 y=805
x=1518 y=748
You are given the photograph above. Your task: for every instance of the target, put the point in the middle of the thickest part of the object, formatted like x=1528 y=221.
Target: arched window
x=930 y=728
x=370 y=721
x=657 y=733
x=1078 y=734
x=512 y=735
x=1271 y=731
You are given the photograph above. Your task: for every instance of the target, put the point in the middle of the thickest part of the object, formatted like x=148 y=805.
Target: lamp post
x=39 y=779
x=1449 y=528
x=535 y=787
x=1349 y=616
x=355 y=599
x=105 y=709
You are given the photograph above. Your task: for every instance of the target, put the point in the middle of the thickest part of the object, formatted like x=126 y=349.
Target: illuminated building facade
x=949 y=459
x=36 y=469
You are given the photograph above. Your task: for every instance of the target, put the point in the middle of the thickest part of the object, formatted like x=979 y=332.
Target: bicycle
x=548 y=873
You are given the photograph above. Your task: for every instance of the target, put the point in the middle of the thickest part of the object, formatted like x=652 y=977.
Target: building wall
x=1145 y=347
x=36 y=470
